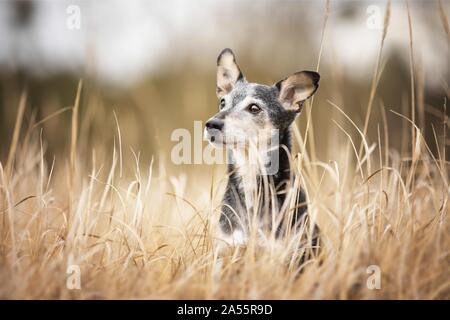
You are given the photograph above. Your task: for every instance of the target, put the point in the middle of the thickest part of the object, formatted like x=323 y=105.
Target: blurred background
x=153 y=64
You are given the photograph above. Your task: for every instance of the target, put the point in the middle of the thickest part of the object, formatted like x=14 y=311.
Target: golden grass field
x=138 y=230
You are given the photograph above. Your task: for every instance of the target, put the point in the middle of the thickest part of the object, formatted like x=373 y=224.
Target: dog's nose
x=214 y=124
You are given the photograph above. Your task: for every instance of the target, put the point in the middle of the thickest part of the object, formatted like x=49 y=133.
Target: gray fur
x=237 y=118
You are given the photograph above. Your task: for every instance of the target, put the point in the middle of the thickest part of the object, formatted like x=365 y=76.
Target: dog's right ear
x=228 y=72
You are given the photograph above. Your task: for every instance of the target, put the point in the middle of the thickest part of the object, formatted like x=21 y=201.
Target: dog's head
x=247 y=110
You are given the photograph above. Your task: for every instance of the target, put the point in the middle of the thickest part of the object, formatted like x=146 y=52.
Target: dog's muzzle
x=213 y=131
x=214 y=123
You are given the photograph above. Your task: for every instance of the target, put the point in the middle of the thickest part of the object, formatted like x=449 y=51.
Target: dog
x=252 y=114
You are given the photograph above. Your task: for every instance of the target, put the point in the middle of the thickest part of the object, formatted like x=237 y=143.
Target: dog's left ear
x=295 y=89
x=228 y=72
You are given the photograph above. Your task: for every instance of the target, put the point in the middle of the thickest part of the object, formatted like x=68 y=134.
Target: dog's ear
x=228 y=72
x=295 y=89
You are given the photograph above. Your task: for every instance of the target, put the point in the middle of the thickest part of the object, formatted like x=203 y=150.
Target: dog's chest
x=247 y=172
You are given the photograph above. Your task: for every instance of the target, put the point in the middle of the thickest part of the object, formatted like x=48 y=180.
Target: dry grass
x=150 y=234
x=141 y=238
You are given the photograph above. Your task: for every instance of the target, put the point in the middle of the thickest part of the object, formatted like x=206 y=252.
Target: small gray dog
x=245 y=111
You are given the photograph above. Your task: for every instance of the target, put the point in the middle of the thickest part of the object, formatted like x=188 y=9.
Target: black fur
x=234 y=202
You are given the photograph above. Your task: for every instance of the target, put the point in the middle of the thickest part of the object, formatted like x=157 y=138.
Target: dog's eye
x=253 y=108
x=222 y=104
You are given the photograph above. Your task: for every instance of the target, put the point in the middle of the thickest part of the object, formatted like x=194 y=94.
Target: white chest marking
x=237 y=238
x=247 y=170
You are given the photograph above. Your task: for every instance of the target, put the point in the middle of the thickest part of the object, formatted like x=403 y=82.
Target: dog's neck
x=246 y=176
